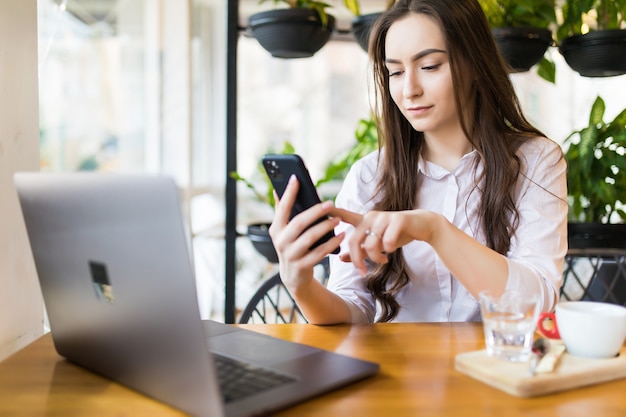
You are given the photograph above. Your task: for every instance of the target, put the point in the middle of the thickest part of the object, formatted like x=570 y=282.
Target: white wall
x=21 y=305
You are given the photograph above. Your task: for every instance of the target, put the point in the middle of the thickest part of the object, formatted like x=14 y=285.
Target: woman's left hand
x=379 y=233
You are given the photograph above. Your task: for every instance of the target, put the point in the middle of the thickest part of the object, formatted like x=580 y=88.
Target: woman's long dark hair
x=491 y=118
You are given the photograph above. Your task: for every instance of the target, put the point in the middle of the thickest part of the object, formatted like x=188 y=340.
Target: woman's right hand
x=292 y=240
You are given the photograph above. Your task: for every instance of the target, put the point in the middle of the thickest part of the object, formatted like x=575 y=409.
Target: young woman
x=464 y=195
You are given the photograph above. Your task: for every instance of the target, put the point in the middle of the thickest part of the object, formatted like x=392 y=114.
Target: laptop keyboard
x=240 y=379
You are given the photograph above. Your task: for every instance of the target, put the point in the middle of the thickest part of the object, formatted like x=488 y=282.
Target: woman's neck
x=446 y=148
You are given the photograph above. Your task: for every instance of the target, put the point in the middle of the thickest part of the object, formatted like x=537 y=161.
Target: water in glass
x=509 y=323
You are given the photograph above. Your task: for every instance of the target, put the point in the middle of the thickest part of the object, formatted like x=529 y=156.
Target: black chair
x=595 y=275
x=272 y=303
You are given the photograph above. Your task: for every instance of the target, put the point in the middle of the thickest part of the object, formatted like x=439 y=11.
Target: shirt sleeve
x=345 y=280
x=538 y=248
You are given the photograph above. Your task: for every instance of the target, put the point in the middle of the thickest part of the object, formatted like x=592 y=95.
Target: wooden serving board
x=513 y=378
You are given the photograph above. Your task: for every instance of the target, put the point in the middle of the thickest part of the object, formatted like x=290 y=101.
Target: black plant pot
x=262 y=242
x=599 y=53
x=596 y=236
x=291 y=33
x=522 y=47
x=361 y=28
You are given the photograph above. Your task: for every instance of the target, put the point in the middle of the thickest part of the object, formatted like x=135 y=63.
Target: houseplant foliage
x=581 y=16
x=592 y=36
x=297 y=30
x=596 y=176
x=523 y=32
x=596 y=180
x=319 y=6
x=366 y=135
x=366 y=141
x=519 y=13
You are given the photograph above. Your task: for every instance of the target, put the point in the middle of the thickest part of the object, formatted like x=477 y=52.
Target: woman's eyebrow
x=417 y=56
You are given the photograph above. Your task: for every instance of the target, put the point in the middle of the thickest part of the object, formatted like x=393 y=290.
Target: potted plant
x=523 y=32
x=296 y=31
x=592 y=37
x=362 y=23
x=596 y=180
x=597 y=168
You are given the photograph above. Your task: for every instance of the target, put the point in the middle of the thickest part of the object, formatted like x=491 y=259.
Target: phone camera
x=272 y=169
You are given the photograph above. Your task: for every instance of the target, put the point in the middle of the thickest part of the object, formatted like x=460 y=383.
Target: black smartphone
x=279 y=168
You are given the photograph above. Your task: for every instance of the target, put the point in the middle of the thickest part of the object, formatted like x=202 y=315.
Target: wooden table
x=417 y=378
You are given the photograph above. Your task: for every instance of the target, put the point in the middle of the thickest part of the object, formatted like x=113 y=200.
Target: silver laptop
x=115 y=269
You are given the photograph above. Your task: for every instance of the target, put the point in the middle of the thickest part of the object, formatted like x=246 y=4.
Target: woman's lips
x=418 y=110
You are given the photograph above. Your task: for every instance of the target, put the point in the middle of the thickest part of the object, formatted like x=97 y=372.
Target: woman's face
x=420 y=80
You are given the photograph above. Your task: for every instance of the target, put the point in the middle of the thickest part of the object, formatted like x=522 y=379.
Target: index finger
x=347 y=216
x=284 y=205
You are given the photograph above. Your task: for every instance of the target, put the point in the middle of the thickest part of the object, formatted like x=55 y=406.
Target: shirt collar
x=435 y=171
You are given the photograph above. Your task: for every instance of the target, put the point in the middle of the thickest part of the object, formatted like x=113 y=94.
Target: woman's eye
x=431 y=67
x=393 y=73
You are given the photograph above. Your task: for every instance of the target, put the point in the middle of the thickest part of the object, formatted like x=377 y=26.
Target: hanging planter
x=600 y=53
x=592 y=38
x=362 y=23
x=259 y=235
x=361 y=28
x=523 y=32
x=291 y=33
x=522 y=47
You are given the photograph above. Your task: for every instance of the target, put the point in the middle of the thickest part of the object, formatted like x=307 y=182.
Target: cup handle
x=547 y=326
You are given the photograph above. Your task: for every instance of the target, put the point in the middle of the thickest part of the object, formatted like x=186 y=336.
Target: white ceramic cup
x=587 y=328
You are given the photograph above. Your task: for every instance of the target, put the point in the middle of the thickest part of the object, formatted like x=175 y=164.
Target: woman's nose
x=412 y=86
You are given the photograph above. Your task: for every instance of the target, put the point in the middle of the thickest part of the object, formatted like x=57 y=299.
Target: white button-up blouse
x=535 y=258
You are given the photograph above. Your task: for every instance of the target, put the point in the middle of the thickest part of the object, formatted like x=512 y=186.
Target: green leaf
x=546 y=69
x=597 y=112
x=493 y=12
x=586 y=147
x=288 y=148
x=353 y=6
x=366 y=135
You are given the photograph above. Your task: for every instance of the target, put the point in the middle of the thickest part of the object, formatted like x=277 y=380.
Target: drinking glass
x=509 y=321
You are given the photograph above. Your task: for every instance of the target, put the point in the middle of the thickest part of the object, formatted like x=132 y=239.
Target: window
x=126 y=88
